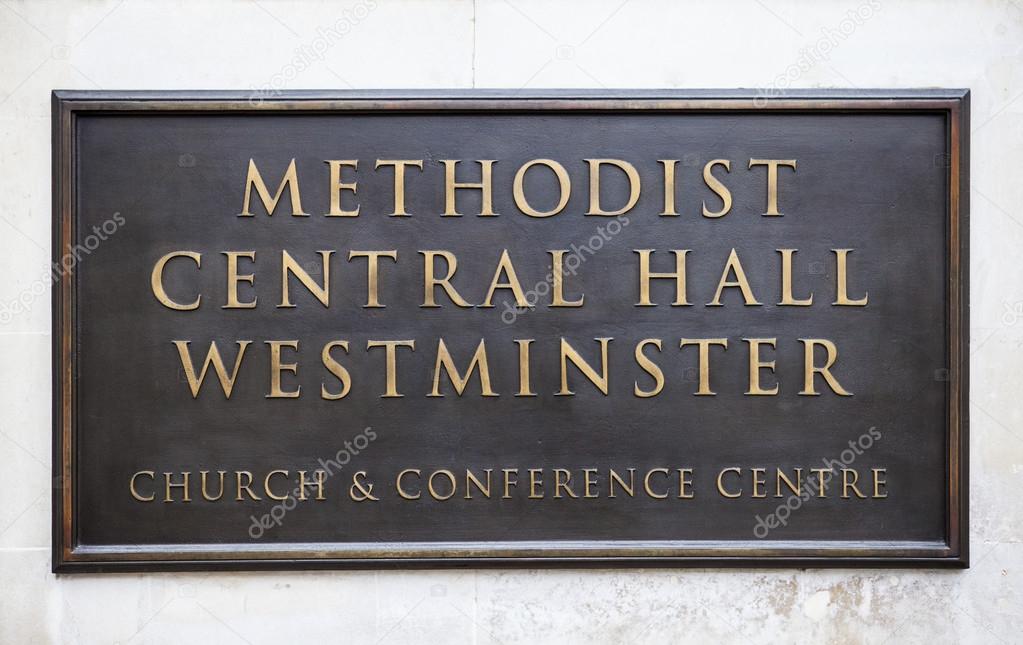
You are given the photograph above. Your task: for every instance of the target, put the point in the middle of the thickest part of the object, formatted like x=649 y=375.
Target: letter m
x=255 y=180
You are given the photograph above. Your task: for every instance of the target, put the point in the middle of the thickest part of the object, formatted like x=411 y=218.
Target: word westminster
x=439 y=266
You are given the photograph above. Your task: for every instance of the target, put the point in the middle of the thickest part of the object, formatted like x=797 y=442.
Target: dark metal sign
x=649 y=328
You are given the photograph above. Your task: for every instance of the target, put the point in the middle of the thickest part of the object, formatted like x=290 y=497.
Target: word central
x=438 y=274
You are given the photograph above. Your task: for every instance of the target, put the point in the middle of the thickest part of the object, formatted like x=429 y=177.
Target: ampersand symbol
x=361 y=491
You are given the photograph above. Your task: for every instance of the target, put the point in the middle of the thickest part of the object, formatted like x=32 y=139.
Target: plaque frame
x=70 y=556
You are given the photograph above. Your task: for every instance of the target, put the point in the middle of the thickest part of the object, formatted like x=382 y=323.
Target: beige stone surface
x=518 y=44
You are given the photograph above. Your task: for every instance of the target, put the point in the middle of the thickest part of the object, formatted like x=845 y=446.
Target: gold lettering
x=524 y=388
x=276 y=367
x=266 y=484
x=772 y=180
x=373 y=273
x=646 y=483
x=202 y=477
x=589 y=483
x=650 y=368
x=821 y=490
x=558 y=282
x=337 y=187
x=156 y=280
x=847 y=484
x=400 y=489
x=564 y=184
x=645 y=276
x=337 y=369
x=704 y=344
x=183 y=486
x=535 y=483
x=399 y=181
x=630 y=173
x=719 y=188
x=472 y=480
x=479 y=359
x=629 y=488
x=685 y=483
x=135 y=493
x=391 y=361
x=759 y=481
x=568 y=353
x=450 y=476
x=233 y=278
x=780 y=477
x=509 y=481
x=247 y=486
x=562 y=482
x=318 y=483
x=485 y=186
x=842 y=284
x=755 y=365
x=733 y=265
x=505 y=266
x=721 y=485
x=809 y=369
x=669 y=186
x=786 y=281
x=879 y=482
x=290 y=181
x=212 y=357
x=290 y=266
x=430 y=282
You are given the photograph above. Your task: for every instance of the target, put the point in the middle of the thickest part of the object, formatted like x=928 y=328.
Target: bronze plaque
x=408 y=329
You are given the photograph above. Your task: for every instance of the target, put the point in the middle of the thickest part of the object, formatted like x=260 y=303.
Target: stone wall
x=268 y=46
